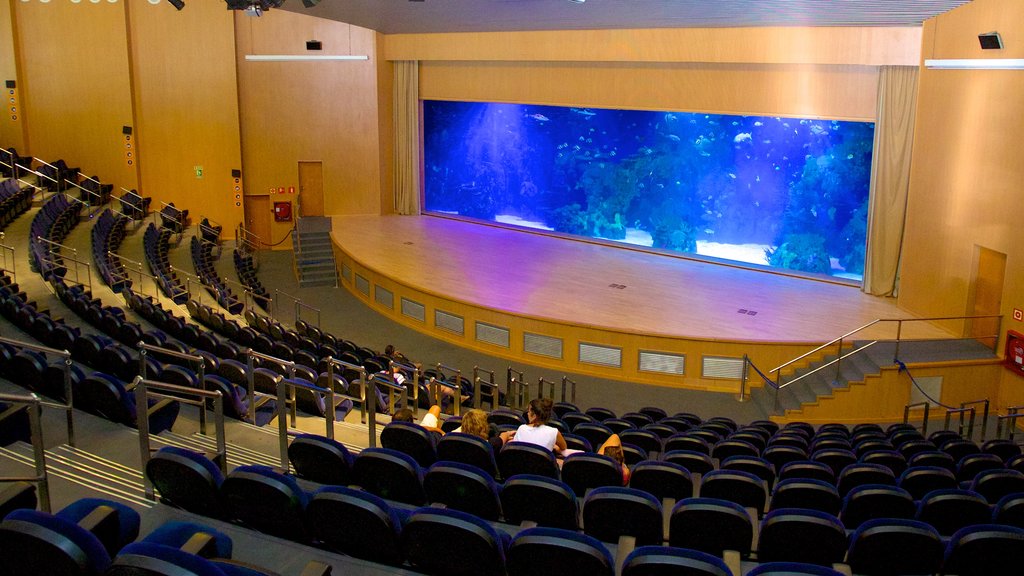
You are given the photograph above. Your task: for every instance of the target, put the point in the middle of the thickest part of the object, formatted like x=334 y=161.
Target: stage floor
x=591 y=285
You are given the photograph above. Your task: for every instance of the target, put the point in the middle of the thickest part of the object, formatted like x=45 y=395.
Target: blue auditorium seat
x=555 y=551
x=453 y=543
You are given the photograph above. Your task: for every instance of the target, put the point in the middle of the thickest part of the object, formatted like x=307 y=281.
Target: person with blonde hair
x=474 y=423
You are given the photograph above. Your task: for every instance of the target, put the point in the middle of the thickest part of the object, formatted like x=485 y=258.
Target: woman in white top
x=536 y=431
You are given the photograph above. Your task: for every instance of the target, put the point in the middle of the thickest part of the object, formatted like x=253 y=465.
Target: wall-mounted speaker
x=990 y=41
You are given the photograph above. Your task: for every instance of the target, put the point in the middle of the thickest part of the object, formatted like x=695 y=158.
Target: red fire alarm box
x=282 y=211
x=1015 y=352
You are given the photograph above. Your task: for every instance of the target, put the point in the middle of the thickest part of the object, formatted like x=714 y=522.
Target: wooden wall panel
x=76 y=90
x=966 y=172
x=874 y=46
x=842 y=92
x=310 y=111
x=12 y=131
x=186 y=104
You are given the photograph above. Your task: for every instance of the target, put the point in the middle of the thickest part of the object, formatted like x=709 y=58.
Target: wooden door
x=986 y=293
x=311 y=188
x=257 y=217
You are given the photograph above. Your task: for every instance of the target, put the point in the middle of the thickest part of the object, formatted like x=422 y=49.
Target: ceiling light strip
x=302 y=57
x=976 y=64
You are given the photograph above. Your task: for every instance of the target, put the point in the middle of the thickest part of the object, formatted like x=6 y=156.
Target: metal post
x=69 y=392
x=282 y=423
x=371 y=401
x=35 y=417
x=252 y=387
x=743 y=378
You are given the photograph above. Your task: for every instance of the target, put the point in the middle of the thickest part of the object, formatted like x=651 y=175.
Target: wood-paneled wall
x=12 y=130
x=186 y=107
x=75 y=85
x=311 y=111
x=965 y=187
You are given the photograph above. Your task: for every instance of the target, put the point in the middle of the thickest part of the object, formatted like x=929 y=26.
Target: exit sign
x=199 y=171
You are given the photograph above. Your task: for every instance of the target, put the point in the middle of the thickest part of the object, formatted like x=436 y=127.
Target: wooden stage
x=592 y=308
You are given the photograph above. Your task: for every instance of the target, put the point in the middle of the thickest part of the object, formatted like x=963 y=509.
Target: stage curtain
x=407 y=137
x=890 y=178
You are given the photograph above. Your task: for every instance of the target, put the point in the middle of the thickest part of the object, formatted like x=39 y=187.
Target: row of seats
x=155 y=243
x=12 y=164
x=246 y=271
x=174 y=219
x=107 y=234
x=53 y=222
x=15 y=200
x=363 y=524
x=203 y=261
x=93 y=191
x=134 y=205
x=93 y=536
x=58 y=176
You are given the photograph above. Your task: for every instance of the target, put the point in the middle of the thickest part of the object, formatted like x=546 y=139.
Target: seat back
x=668 y=561
x=186 y=479
x=876 y=501
x=949 y=510
x=710 y=525
x=370 y=529
x=661 y=480
x=441 y=541
x=411 y=439
x=33 y=542
x=584 y=471
x=524 y=458
x=468 y=449
x=463 y=487
x=389 y=474
x=984 y=549
x=555 y=551
x=786 y=533
x=611 y=512
x=806 y=493
x=270 y=502
x=320 y=459
x=539 y=499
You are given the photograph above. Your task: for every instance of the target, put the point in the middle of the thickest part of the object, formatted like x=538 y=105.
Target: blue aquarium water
x=787 y=193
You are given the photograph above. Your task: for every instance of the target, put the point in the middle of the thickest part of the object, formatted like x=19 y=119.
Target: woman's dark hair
x=542 y=408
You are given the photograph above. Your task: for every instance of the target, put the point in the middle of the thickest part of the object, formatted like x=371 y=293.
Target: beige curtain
x=890 y=178
x=407 y=137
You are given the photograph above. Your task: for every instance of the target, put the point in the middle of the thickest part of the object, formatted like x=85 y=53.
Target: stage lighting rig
x=253 y=7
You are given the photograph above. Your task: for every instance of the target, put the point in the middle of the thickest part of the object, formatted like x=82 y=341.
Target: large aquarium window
x=786 y=193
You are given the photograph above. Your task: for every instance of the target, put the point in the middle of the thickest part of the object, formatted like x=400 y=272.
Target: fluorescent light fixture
x=301 y=57
x=976 y=64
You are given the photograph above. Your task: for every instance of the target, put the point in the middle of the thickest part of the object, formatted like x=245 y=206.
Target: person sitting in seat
x=474 y=422
x=431 y=420
x=536 y=430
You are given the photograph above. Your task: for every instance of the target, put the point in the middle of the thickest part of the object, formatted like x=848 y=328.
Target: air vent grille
x=414 y=309
x=542 y=345
x=662 y=363
x=384 y=297
x=363 y=285
x=492 y=334
x=450 y=322
x=722 y=367
x=346 y=272
x=601 y=355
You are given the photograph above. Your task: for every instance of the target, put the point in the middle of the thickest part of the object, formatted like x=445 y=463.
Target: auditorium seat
x=743 y=488
x=539 y=499
x=585 y=471
x=613 y=511
x=949 y=510
x=695 y=462
x=187 y=480
x=467 y=449
x=356 y=523
x=260 y=498
x=555 y=551
x=463 y=487
x=710 y=525
x=411 y=439
x=920 y=480
x=871 y=501
x=687 y=441
x=792 y=569
x=524 y=458
x=668 y=561
x=389 y=474
x=644 y=439
x=798 y=535
x=860 y=473
x=453 y=543
x=320 y=459
x=983 y=550
x=887 y=546
x=994 y=484
x=35 y=542
x=1010 y=510
x=806 y=493
x=663 y=480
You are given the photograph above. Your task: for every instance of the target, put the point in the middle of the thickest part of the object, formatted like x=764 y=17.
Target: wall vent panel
x=722 y=367
x=414 y=310
x=384 y=297
x=662 y=363
x=601 y=355
x=346 y=272
x=492 y=334
x=542 y=345
x=450 y=322
x=363 y=285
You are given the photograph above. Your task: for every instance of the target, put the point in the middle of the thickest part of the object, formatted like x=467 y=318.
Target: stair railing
x=413 y=386
x=541 y=383
x=571 y=384
x=924 y=422
x=128 y=271
x=1009 y=422
x=367 y=402
x=446 y=373
x=10 y=264
x=250 y=374
x=778 y=383
x=286 y=392
x=146 y=389
x=34 y=406
x=962 y=413
x=984 y=416
x=299 y=307
x=517 y=389
x=145 y=349
x=480 y=383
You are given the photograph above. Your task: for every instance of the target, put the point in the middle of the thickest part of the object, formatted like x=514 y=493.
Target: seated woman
x=431 y=420
x=612 y=448
x=474 y=422
x=536 y=430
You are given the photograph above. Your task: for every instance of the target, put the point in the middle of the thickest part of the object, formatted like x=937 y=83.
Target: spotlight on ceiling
x=179 y=4
x=310 y=3
x=253 y=7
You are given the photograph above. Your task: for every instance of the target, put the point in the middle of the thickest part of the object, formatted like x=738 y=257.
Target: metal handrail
x=77 y=264
x=122 y=260
x=144 y=389
x=250 y=374
x=299 y=305
x=960 y=425
x=34 y=406
x=69 y=399
x=1012 y=414
x=837 y=362
x=367 y=402
x=9 y=265
x=41 y=175
x=984 y=414
x=135 y=208
x=285 y=392
x=417 y=375
x=541 y=382
x=924 y=423
x=572 y=383
x=445 y=371
x=478 y=385
x=145 y=348
x=517 y=389
x=393 y=389
x=56 y=246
